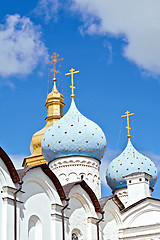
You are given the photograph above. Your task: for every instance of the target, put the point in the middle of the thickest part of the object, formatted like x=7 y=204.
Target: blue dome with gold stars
x=129 y=161
x=73 y=135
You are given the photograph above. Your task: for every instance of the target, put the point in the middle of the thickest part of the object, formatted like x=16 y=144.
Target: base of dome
x=74 y=168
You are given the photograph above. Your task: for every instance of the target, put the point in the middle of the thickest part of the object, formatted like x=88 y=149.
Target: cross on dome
x=54 y=60
x=130 y=161
x=72 y=71
x=128 y=114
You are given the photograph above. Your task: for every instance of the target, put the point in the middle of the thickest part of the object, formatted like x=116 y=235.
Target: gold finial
x=54 y=60
x=128 y=127
x=72 y=71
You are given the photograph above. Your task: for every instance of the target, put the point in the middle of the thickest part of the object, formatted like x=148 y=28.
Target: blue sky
x=114 y=44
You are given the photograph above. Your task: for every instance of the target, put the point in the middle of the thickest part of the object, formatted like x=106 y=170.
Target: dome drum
x=74 y=168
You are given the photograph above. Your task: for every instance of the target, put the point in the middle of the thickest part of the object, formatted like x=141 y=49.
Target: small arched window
x=74 y=236
x=34 y=228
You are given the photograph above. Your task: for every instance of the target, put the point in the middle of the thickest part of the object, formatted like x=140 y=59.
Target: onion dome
x=54 y=105
x=128 y=162
x=73 y=135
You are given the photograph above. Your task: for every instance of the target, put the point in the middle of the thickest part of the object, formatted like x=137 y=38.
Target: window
x=74 y=236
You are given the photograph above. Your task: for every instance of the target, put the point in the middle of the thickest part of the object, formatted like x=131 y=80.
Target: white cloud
x=136 y=22
x=21 y=47
x=48 y=9
x=17 y=160
x=108 y=46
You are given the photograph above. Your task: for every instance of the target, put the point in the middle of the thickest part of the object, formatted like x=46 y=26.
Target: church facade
x=57 y=193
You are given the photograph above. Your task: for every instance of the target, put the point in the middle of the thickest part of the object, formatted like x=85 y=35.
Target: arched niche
x=112 y=221
x=62 y=177
x=72 y=177
x=76 y=234
x=34 y=228
x=42 y=186
x=81 y=208
x=38 y=203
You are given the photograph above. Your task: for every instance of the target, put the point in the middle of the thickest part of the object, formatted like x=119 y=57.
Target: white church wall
x=122 y=194
x=78 y=221
x=132 y=217
x=1 y=211
x=110 y=231
x=111 y=222
x=150 y=232
x=71 y=169
x=82 y=215
x=56 y=226
x=7 y=189
x=138 y=187
x=34 y=228
x=142 y=221
x=38 y=205
x=38 y=176
x=40 y=194
x=8 y=219
x=5 y=175
x=147 y=217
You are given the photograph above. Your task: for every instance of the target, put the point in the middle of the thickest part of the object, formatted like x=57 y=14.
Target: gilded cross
x=72 y=71
x=128 y=114
x=54 y=60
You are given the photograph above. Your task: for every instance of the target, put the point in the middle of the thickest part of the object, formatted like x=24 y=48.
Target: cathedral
x=57 y=193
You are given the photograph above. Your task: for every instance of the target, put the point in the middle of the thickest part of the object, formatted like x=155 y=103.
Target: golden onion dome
x=54 y=104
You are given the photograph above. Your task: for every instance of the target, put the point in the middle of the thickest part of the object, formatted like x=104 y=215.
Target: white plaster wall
x=141 y=221
x=36 y=175
x=82 y=215
x=149 y=217
x=5 y=175
x=110 y=231
x=111 y=222
x=34 y=228
x=40 y=194
x=149 y=232
x=70 y=169
x=78 y=220
x=7 y=189
x=8 y=218
x=144 y=211
x=129 y=198
x=138 y=187
x=122 y=195
x=1 y=212
x=38 y=205
x=78 y=193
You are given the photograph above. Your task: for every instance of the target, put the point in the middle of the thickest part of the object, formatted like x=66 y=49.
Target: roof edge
x=10 y=166
x=84 y=185
x=50 y=174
